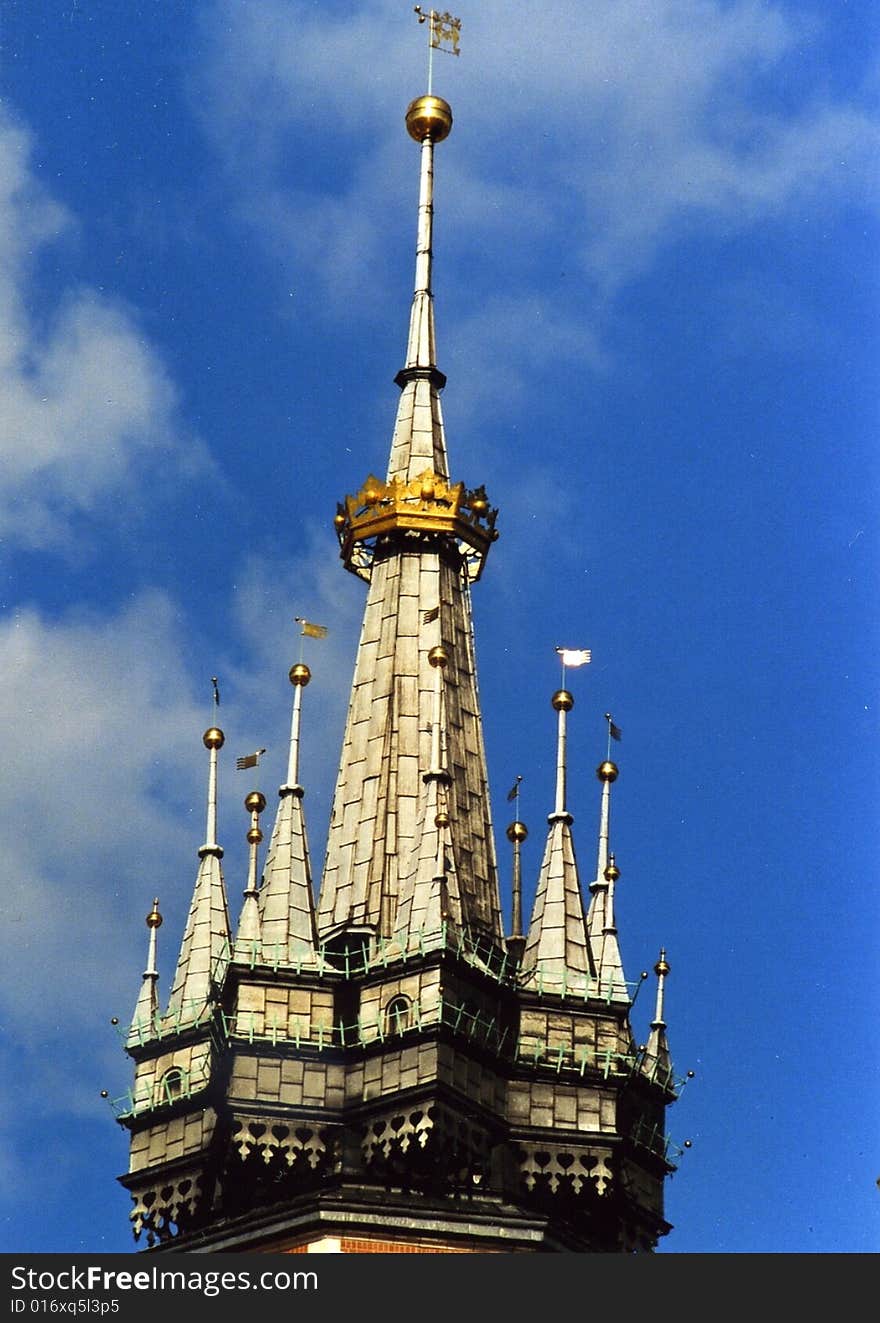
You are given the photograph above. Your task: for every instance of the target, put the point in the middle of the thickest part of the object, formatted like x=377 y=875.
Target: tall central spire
x=419 y=540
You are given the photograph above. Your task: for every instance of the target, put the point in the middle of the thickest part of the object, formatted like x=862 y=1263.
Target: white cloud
x=96 y=716
x=518 y=336
x=86 y=404
x=102 y=800
x=607 y=130
x=269 y=593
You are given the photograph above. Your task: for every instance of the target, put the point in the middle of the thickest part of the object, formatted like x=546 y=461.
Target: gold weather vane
x=444 y=33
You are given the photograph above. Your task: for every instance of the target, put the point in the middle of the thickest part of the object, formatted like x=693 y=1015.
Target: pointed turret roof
x=601 y=924
x=517 y=832
x=420 y=541
x=288 y=934
x=143 y=1022
x=557 y=955
x=247 y=942
x=657 y=1061
x=206 y=943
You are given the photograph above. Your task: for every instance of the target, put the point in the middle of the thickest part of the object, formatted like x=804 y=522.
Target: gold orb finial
x=255 y=802
x=254 y=836
x=442 y=818
x=154 y=918
x=662 y=966
x=612 y=872
x=429 y=117
x=517 y=831
x=213 y=738
x=607 y=771
x=439 y=656
x=299 y=674
x=562 y=701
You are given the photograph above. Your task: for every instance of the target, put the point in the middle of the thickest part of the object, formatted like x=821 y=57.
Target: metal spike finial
x=213 y=740
x=562 y=702
x=254 y=803
x=299 y=676
x=516 y=834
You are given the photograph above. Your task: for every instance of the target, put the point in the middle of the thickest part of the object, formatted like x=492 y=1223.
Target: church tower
x=381 y=1066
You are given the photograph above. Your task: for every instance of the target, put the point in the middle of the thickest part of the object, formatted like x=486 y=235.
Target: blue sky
x=656 y=289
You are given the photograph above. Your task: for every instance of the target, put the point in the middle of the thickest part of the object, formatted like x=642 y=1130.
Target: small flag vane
x=249 y=760
x=429 y=616
x=513 y=792
x=310 y=630
x=614 y=732
x=216 y=691
x=575 y=656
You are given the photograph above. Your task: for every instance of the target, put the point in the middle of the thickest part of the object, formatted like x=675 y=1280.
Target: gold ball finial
x=299 y=674
x=442 y=818
x=562 y=701
x=607 y=771
x=255 y=802
x=154 y=918
x=517 y=832
x=254 y=836
x=438 y=656
x=213 y=738
x=612 y=872
x=429 y=117
x=662 y=966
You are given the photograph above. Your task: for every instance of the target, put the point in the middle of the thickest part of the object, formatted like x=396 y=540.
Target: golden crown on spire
x=427 y=504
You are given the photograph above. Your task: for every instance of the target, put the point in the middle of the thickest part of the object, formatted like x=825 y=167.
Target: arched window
x=172 y=1085
x=398 y=1015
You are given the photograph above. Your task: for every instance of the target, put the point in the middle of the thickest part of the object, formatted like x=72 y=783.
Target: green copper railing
x=380 y=952
x=254 y=1026
x=475 y=949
